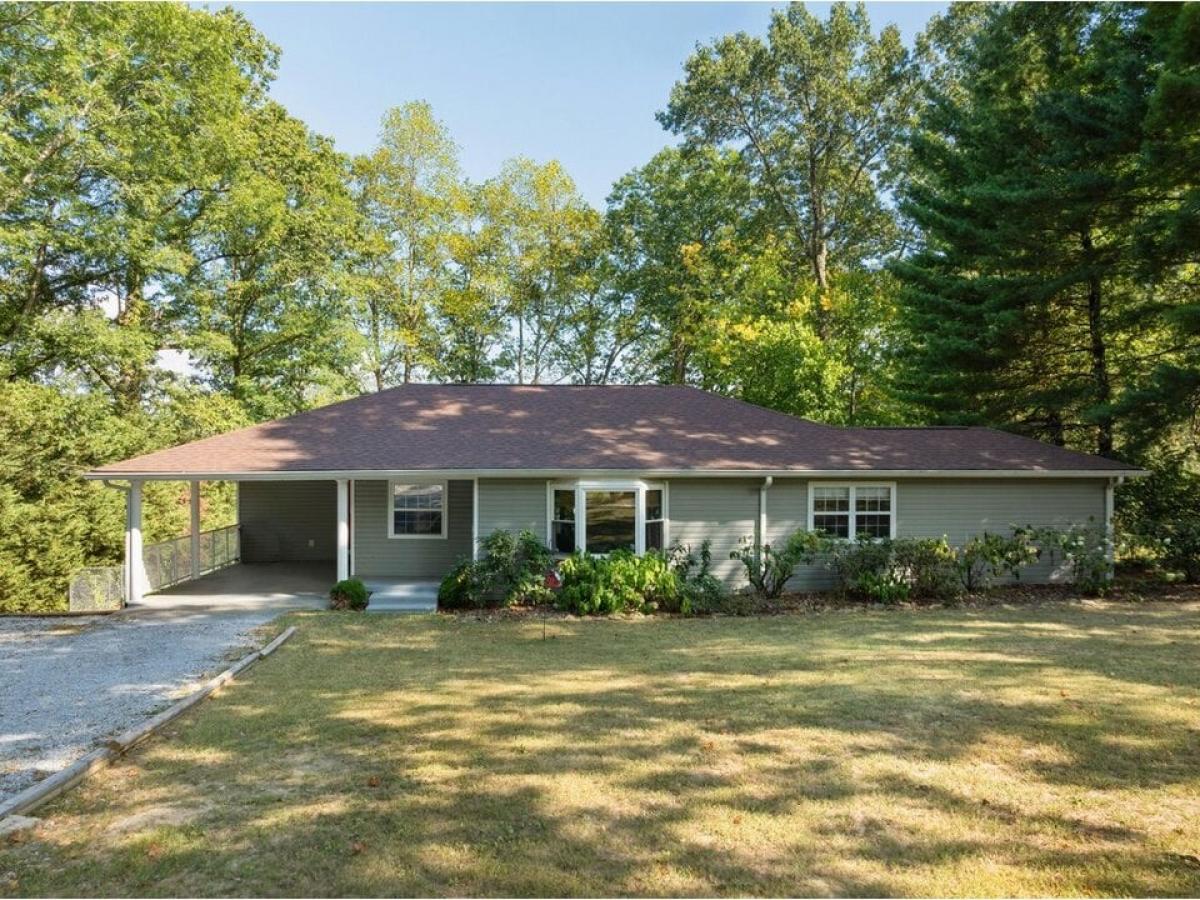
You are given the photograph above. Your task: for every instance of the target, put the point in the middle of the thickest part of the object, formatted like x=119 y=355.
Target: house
x=400 y=484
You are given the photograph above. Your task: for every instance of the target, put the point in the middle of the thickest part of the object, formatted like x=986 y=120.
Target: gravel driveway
x=66 y=683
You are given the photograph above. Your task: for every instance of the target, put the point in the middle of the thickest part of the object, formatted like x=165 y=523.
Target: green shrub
x=619 y=582
x=768 y=568
x=863 y=568
x=1178 y=544
x=700 y=592
x=986 y=557
x=460 y=588
x=511 y=569
x=1085 y=548
x=927 y=566
x=349 y=594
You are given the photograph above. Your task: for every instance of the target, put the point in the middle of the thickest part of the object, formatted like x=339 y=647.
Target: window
x=418 y=510
x=562 y=522
x=852 y=510
x=611 y=520
x=655 y=519
x=603 y=516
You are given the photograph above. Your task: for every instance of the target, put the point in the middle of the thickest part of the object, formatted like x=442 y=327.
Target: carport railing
x=166 y=563
x=170 y=562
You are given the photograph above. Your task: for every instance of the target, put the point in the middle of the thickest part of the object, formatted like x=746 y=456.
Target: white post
x=343 y=529
x=194 y=509
x=135 y=565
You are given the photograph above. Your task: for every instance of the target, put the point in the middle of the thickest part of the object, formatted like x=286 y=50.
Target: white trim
x=391 y=508
x=653 y=474
x=581 y=487
x=343 y=529
x=853 y=512
x=194 y=533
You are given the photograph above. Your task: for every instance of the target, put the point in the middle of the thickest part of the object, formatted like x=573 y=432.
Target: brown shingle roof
x=662 y=428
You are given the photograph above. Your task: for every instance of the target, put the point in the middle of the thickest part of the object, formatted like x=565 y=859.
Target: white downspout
x=762 y=510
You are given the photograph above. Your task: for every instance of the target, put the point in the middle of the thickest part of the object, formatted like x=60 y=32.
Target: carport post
x=343 y=529
x=135 y=565
x=194 y=509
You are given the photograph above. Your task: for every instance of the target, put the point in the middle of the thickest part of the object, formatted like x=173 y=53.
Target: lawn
x=1048 y=749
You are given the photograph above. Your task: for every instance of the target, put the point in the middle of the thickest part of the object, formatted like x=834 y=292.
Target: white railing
x=170 y=562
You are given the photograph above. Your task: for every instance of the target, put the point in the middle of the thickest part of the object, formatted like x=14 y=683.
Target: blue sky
x=575 y=82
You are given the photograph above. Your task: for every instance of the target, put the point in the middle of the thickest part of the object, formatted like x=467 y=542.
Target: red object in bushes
x=552 y=581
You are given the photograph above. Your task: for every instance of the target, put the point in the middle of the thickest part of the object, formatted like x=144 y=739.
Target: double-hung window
x=417 y=510
x=603 y=516
x=852 y=510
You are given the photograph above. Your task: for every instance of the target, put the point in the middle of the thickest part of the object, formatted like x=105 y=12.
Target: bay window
x=603 y=516
x=852 y=510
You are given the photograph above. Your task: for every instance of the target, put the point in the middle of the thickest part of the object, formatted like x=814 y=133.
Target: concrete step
x=402 y=595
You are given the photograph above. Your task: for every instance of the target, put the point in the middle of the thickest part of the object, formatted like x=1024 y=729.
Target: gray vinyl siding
x=723 y=510
x=378 y=556
x=961 y=508
x=512 y=504
x=288 y=521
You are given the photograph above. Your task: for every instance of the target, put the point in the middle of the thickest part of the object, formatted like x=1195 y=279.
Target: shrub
x=349 y=594
x=700 y=591
x=460 y=588
x=986 y=557
x=1085 y=549
x=619 y=582
x=768 y=569
x=511 y=569
x=927 y=566
x=863 y=569
x=1178 y=543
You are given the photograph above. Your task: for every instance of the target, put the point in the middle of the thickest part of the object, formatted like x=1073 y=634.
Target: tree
x=819 y=111
x=408 y=193
x=112 y=137
x=261 y=312
x=1021 y=307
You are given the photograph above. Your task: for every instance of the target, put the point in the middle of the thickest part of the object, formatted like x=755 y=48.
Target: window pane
x=832 y=524
x=874 y=524
x=654 y=535
x=831 y=499
x=654 y=505
x=564 y=537
x=611 y=520
x=417 y=521
x=417 y=496
x=564 y=505
x=873 y=499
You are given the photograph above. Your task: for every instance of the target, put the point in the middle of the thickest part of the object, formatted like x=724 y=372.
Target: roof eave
x=648 y=472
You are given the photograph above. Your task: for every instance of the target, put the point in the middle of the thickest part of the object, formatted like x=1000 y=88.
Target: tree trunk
x=1098 y=349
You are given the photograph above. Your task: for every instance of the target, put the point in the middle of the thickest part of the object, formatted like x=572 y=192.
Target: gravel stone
x=66 y=684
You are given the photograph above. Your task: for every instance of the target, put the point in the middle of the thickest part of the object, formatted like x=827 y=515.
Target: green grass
x=1051 y=749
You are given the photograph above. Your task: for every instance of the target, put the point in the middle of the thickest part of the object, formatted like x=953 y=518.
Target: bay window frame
x=852 y=514
x=581 y=489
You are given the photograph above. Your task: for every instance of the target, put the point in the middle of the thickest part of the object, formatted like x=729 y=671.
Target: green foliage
x=350 y=593
x=1084 y=547
x=986 y=557
x=768 y=568
x=511 y=569
x=863 y=569
x=616 y=583
x=700 y=592
x=927 y=566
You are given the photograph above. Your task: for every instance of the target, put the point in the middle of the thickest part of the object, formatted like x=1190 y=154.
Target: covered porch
x=293 y=539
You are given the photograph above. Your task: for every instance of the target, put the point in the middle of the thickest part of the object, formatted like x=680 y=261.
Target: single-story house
x=404 y=482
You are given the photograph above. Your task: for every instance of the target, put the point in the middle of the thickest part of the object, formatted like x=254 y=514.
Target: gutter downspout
x=762 y=513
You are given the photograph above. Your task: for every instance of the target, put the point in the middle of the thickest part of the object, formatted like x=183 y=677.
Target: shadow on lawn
x=791 y=756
